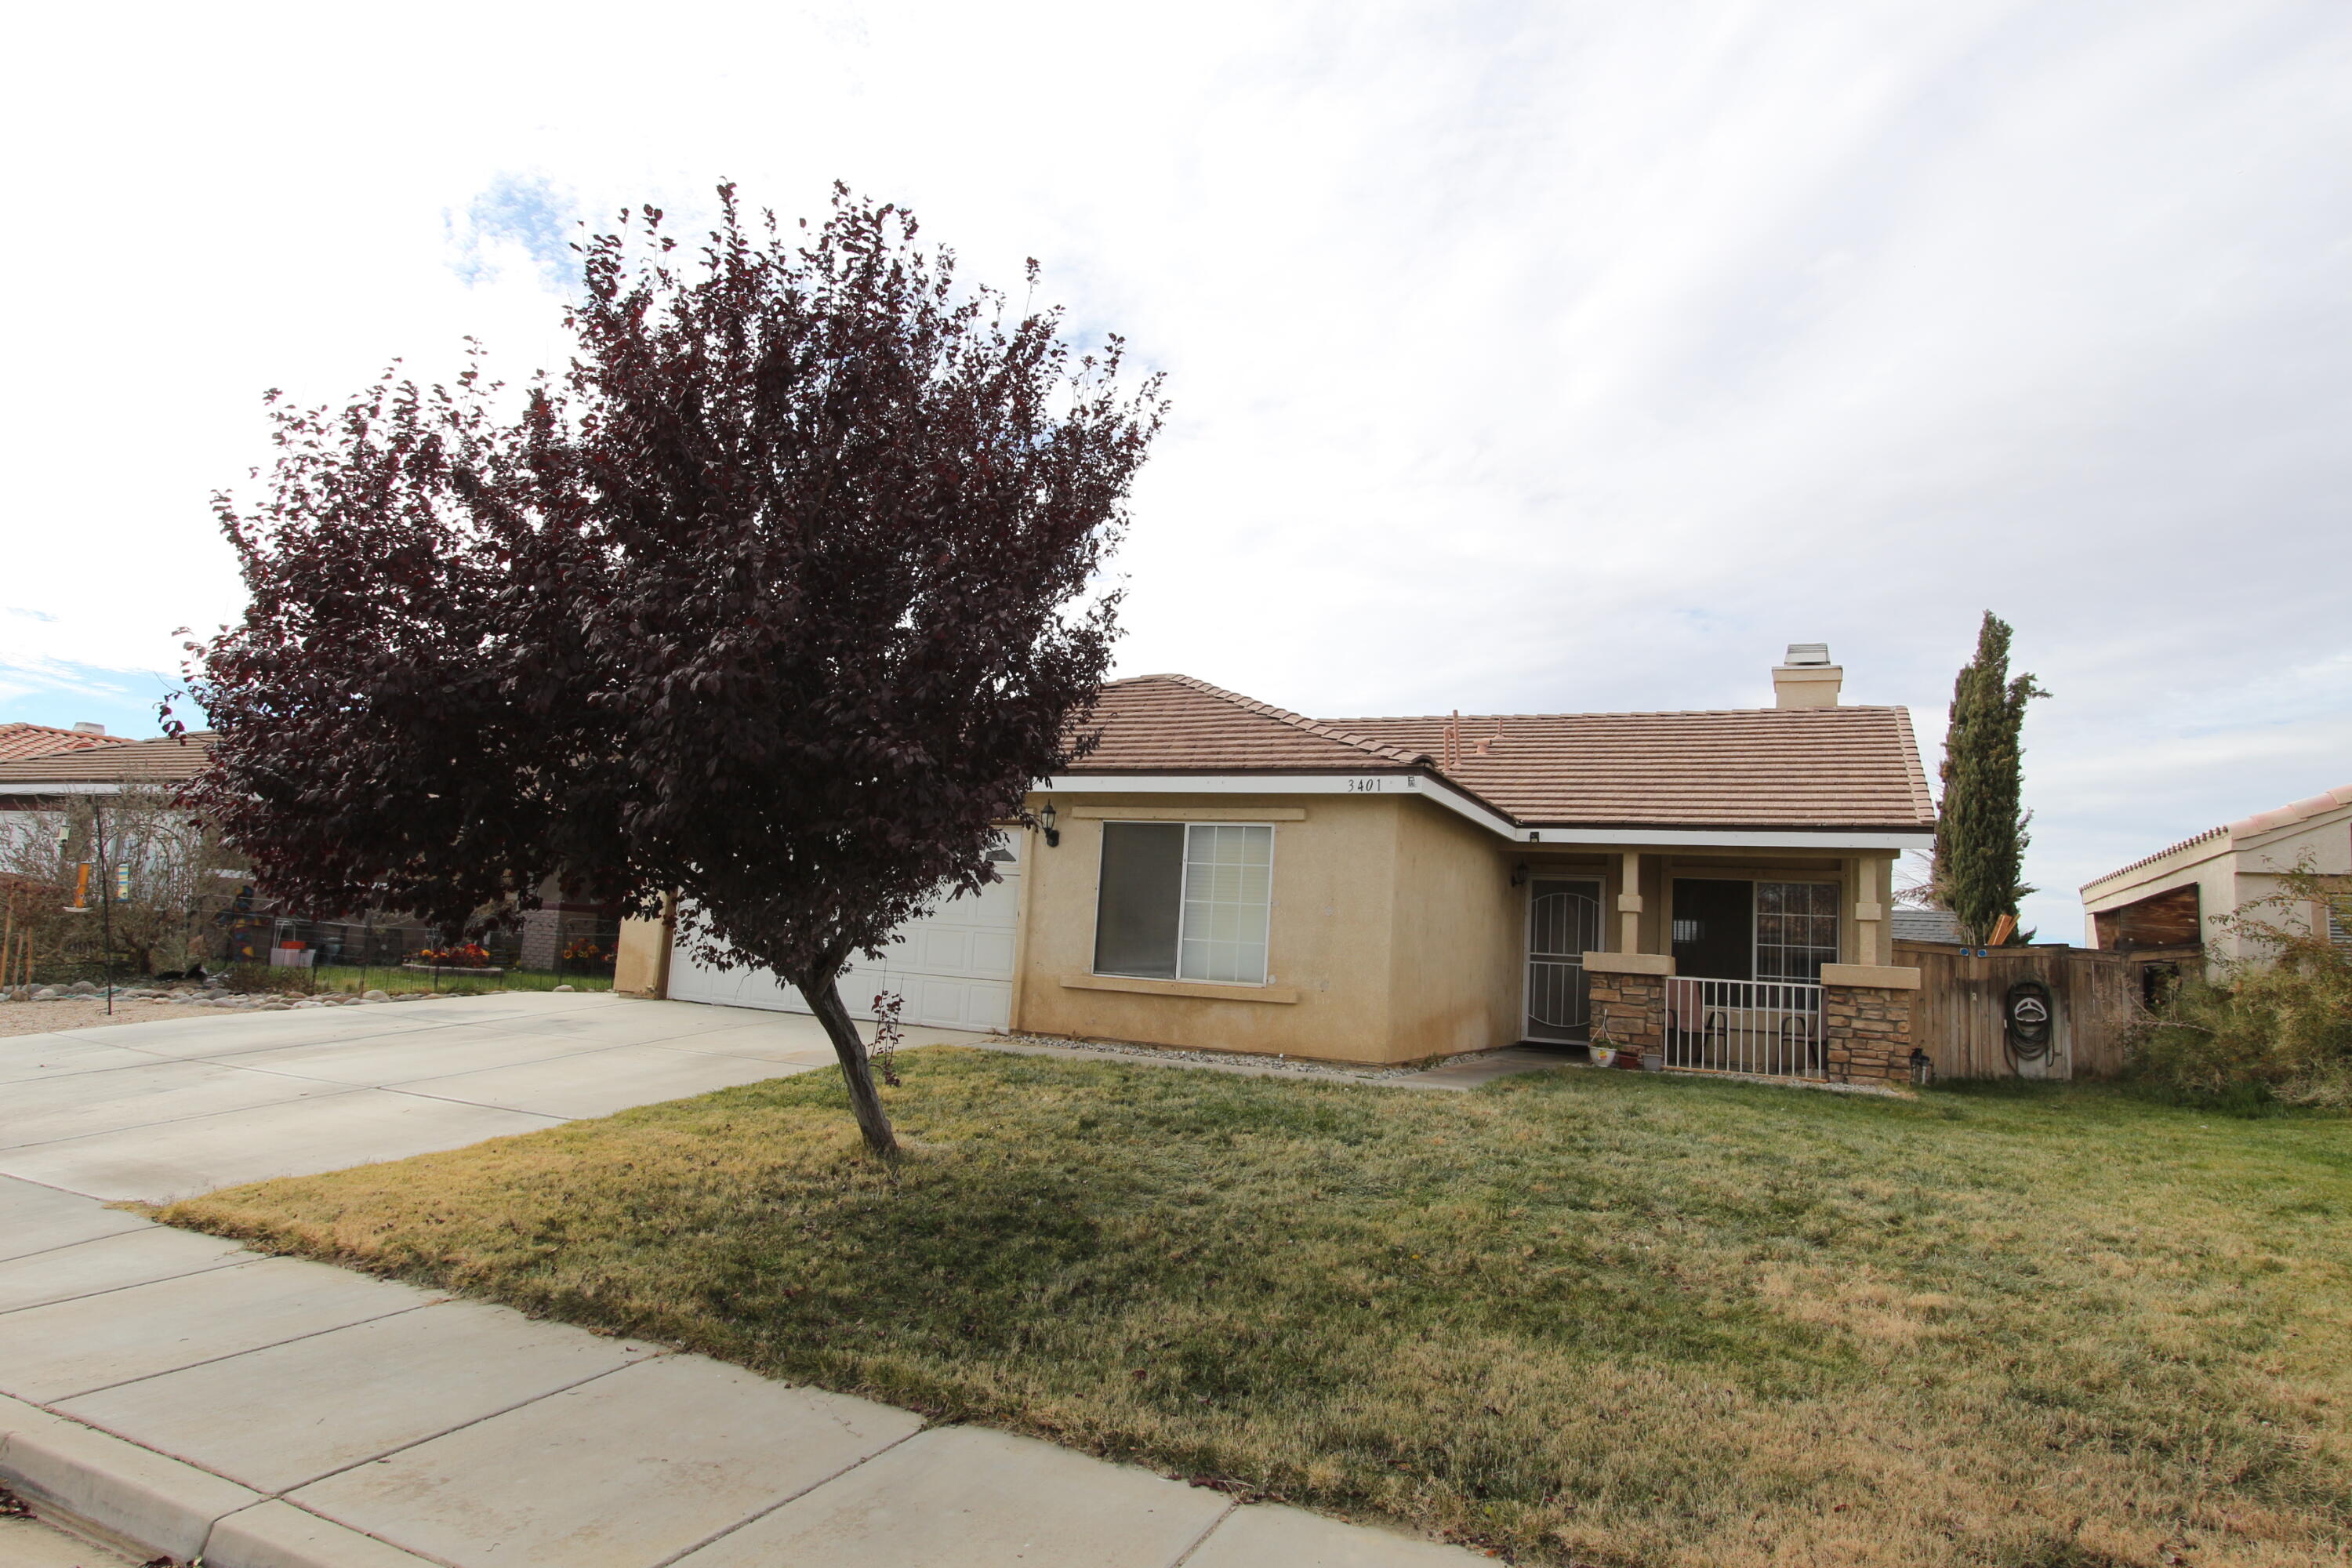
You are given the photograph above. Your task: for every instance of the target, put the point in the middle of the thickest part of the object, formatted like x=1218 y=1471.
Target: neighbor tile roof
x=1805 y=767
x=164 y=760
x=19 y=739
x=2261 y=822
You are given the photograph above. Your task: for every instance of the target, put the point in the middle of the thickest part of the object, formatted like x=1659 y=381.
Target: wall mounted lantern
x=1923 y=1071
x=1046 y=820
x=1519 y=875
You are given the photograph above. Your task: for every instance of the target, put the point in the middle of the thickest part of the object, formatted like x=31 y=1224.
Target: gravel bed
x=1237 y=1061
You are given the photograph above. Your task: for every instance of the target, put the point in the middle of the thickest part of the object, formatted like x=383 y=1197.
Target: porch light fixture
x=1046 y=820
x=1519 y=875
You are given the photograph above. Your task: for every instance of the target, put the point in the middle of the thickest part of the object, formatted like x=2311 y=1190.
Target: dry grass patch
x=1584 y=1317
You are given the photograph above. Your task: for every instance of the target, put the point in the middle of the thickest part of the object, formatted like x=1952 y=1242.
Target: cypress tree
x=1980 y=834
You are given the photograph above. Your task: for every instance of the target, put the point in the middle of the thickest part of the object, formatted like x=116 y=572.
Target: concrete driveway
x=194 y=1398
x=168 y=1110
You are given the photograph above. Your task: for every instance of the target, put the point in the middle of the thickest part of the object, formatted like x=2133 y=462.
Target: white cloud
x=1524 y=355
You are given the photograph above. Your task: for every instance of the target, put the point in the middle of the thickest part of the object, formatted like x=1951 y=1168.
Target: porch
x=1716 y=961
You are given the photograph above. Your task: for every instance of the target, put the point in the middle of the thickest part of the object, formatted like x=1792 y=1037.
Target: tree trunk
x=823 y=998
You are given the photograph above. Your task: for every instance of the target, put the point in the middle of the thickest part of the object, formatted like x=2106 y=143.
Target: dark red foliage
x=778 y=598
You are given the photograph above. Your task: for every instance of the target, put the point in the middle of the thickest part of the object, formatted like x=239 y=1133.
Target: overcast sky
x=1525 y=357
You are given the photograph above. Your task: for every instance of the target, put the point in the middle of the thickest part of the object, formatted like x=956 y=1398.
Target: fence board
x=1958 y=1020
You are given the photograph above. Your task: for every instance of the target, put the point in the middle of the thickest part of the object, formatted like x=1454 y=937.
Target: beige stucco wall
x=1458 y=934
x=1343 y=869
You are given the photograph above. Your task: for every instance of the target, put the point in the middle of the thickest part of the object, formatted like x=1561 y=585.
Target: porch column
x=1629 y=901
x=1870 y=945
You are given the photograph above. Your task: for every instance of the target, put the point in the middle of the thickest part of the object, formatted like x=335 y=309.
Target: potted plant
x=1604 y=1051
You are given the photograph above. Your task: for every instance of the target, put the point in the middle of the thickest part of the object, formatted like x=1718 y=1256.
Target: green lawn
x=1599 y=1317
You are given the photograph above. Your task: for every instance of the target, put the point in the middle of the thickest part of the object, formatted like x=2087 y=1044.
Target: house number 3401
x=1363 y=786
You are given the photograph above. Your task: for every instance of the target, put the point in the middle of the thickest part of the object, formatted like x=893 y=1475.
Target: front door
x=1563 y=925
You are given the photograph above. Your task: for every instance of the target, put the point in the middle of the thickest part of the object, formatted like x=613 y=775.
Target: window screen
x=1796 y=930
x=1136 y=913
x=1228 y=876
x=1184 y=902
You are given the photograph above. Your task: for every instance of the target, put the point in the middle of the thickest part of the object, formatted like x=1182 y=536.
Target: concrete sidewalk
x=192 y=1397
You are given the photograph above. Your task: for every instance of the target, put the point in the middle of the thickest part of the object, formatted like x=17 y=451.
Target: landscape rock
x=564 y=988
x=82 y=988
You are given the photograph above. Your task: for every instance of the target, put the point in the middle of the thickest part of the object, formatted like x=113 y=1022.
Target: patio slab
x=624 y=1472
x=966 y=1497
x=350 y=1394
x=56 y=1351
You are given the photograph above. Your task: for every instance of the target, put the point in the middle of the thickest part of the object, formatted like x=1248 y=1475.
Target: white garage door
x=952 y=965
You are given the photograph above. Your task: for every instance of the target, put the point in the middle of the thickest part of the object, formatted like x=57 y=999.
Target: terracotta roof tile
x=19 y=739
x=1764 y=767
x=165 y=761
x=1173 y=723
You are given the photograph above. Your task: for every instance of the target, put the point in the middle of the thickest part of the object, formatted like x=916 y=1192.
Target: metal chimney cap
x=1808 y=653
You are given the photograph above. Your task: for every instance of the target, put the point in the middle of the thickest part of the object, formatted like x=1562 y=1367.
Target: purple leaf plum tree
x=778 y=598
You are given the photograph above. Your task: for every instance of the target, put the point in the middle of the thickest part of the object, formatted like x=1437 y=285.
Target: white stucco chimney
x=1807 y=678
x=85 y=727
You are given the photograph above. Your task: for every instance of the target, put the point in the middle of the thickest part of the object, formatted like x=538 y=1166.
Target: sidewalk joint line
x=86 y=1240
x=1233 y=1506
x=134 y=1284
x=757 y=1515
x=462 y=1425
x=211 y=1359
x=170 y=1121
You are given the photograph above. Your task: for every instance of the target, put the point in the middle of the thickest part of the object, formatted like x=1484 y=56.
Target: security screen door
x=1563 y=925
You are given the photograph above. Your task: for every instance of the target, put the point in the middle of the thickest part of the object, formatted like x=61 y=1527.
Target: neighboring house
x=1707 y=888
x=18 y=740
x=1914 y=922
x=2172 y=898
x=38 y=770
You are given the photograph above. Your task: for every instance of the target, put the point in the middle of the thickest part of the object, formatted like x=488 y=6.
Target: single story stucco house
x=1704 y=890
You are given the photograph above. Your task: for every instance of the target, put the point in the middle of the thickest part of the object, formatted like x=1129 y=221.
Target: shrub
x=2279 y=1023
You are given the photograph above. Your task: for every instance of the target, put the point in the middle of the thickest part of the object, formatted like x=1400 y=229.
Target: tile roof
x=1173 y=723
x=1908 y=923
x=1766 y=768
x=164 y=760
x=1751 y=767
x=20 y=740
x=2261 y=822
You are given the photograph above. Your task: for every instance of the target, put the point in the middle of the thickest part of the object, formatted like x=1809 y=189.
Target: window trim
x=1183 y=891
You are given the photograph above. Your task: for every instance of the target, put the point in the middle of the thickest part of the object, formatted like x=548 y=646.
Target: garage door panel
x=952 y=966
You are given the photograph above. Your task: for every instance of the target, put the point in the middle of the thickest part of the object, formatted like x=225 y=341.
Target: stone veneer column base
x=1629 y=1011
x=1866 y=1033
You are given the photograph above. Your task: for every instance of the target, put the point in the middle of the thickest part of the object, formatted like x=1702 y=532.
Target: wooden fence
x=1962 y=999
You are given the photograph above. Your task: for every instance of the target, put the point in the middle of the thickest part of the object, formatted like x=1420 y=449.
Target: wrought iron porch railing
x=1767 y=1027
